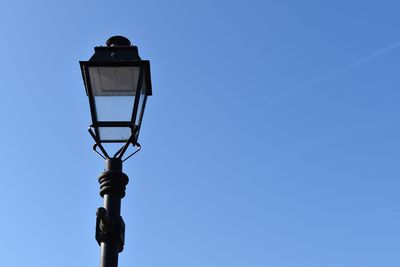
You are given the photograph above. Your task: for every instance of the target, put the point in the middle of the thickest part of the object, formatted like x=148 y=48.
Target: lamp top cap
x=118 y=41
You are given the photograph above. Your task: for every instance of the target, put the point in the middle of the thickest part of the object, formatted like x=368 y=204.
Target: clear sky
x=271 y=140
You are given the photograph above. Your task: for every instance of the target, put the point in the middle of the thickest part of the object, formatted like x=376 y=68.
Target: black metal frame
x=144 y=66
x=120 y=152
x=135 y=123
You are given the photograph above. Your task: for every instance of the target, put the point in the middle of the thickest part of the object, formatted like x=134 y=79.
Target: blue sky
x=272 y=137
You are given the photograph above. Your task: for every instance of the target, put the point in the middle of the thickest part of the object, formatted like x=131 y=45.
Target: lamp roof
x=118 y=48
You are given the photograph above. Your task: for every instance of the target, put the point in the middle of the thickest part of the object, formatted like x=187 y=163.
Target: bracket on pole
x=110 y=229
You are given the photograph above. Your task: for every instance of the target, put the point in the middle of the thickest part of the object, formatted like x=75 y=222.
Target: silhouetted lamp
x=117 y=83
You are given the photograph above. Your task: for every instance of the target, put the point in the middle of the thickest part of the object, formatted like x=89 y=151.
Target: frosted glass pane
x=114 y=133
x=114 y=108
x=142 y=98
x=114 y=81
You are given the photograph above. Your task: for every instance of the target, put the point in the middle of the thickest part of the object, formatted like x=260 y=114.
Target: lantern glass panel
x=116 y=134
x=114 y=108
x=114 y=81
x=142 y=101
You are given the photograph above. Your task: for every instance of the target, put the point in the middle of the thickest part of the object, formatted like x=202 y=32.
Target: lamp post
x=117 y=83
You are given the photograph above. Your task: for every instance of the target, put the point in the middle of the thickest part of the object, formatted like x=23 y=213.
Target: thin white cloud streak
x=331 y=73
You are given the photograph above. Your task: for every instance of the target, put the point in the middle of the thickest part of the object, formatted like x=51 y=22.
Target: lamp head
x=117 y=83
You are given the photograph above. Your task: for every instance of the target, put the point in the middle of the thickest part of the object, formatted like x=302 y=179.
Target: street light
x=117 y=83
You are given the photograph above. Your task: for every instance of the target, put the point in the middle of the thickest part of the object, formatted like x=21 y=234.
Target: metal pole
x=110 y=227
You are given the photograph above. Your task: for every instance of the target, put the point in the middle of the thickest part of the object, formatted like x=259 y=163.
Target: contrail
x=331 y=73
